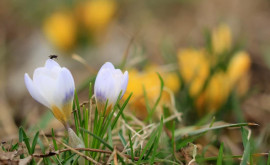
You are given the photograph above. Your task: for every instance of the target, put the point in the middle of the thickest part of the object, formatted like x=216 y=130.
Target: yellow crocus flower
x=221 y=39
x=148 y=80
x=217 y=91
x=60 y=29
x=238 y=66
x=194 y=68
x=96 y=14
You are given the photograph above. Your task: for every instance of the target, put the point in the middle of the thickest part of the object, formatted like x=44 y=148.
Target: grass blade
x=26 y=141
x=195 y=130
x=157 y=141
x=98 y=138
x=246 y=154
x=220 y=155
x=120 y=133
x=54 y=141
x=268 y=160
x=34 y=143
x=121 y=111
x=131 y=147
x=149 y=145
x=149 y=117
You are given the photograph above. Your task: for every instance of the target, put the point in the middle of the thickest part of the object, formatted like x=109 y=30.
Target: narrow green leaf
x=156 y=144
x=110 y=135
x=67 y=160
x=95 y=121
x=121 y=111
x=21 y=140
x=15 y=147
x=246 y=154
x=268 y=160
x=86 y=120
x=54 y=142
x=120 y=133
x=190 y=131
x=34 y=143
x=148 y=145
x=26 y=141
x=76 y=98
x=42 y=147
x=131 y=147
x=220 y=155
x=150 y=151
x=99 y=139
x=75 y=162
x=3 y=148
x=146 y=101
x=244 y=136
x=76 y=122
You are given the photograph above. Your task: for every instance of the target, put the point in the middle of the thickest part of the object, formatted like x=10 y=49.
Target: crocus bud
x=110 y=82
x=53 y=87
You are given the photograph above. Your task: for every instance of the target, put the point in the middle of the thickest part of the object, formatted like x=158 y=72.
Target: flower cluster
x=65 y=29
x=53 y=86
x=211 y=75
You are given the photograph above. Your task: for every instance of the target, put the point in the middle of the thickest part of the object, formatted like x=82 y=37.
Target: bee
x=53 y=56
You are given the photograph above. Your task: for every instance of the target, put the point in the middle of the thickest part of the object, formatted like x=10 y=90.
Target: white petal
x=46 y=86
x=104 y=86
x=53 y=74
x=51 y=64
x=64 y=91
x=107 y=65
x=34 y=91
x=124 y=83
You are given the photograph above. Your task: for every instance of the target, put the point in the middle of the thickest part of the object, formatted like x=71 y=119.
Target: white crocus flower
x=110 y=82
x=53 y=86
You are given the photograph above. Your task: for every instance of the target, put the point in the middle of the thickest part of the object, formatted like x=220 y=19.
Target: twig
x=79 y=153
x=52 y=153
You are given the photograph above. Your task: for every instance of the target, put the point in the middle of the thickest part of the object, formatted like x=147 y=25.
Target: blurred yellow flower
x=194 y=68
x=217 y=91
x=96 y=14
x=221 y=39
x=148 y=80
x=60 y=29
x=238 y=66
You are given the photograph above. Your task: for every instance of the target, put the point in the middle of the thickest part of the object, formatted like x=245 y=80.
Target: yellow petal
x=63 y=115
x=217 y=91
x=239 y=66
x=194 y=68
x=221 y=39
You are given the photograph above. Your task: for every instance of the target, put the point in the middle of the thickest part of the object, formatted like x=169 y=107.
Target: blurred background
x=147 y=36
